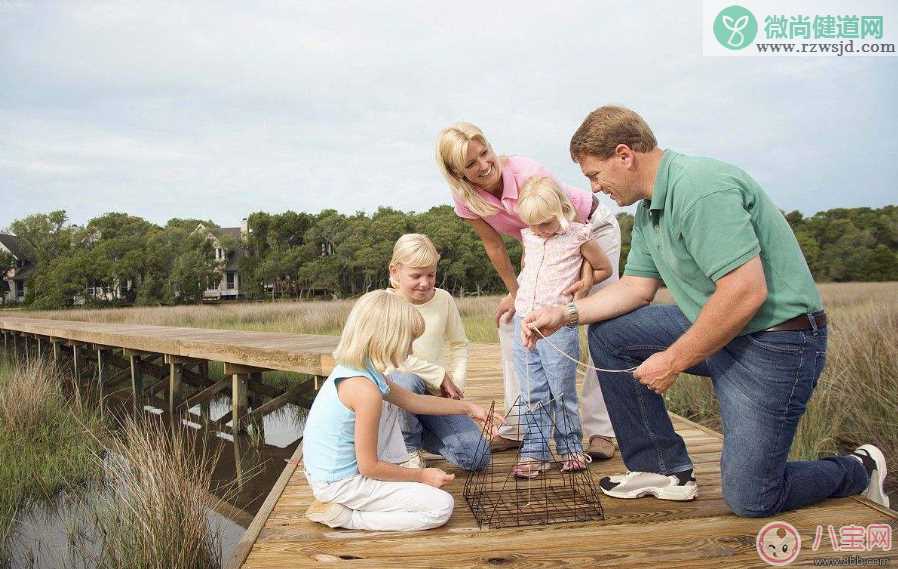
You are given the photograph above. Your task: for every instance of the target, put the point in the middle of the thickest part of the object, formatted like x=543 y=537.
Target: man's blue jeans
x=763 y=382
x=455 y=437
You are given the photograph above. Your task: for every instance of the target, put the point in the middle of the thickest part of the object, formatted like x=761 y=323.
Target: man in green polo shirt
x=747 y=315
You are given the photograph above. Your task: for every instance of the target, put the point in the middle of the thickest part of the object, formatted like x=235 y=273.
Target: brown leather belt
x=801 y=322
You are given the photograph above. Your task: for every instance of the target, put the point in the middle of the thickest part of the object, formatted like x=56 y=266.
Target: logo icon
x=778 y=543
x=735 y=27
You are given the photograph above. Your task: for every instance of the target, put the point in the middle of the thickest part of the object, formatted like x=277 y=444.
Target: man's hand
x=547 y=320
x=449 y=390
x=506 y=308
x=435 y=477
x=658 y=372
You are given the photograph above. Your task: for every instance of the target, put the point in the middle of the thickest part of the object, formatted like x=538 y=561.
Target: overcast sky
x=217 y=109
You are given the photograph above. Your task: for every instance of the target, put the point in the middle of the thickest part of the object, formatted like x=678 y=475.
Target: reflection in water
x=51 y=535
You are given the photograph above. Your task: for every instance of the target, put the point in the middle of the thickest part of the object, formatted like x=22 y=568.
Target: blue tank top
x=329 y=434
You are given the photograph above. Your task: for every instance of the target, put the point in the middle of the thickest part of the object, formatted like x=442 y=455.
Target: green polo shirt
x=707 y=218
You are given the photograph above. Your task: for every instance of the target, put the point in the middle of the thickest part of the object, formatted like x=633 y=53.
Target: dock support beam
x=239 y=394
x=75 y=363
x=136 y=382
x=102 y=373
x=55 y=343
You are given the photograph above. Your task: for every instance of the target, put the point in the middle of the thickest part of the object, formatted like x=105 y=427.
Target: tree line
x=296 y=254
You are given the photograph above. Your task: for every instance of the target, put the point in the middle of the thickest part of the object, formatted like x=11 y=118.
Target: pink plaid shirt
x=550 y=266
x=516 y=171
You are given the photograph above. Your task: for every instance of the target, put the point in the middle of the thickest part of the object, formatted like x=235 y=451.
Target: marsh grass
x=43 y=447
x=154 y=514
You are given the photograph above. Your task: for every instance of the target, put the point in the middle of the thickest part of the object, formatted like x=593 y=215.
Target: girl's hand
x=449 y=390
x=580 y=287
x=480 y=415
x=547 y=320
x=436 y=477
x=505 y=308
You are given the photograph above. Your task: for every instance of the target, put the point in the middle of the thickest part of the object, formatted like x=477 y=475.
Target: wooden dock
x=636 y=533
x=167 y=367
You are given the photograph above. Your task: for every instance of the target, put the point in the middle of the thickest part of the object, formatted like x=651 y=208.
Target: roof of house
x=229 y=232
x=11 y=243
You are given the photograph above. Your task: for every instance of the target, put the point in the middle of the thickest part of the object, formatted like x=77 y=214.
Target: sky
x=217 y=109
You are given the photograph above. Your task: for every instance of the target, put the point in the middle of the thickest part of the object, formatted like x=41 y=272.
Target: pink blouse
x=550 y=266
x=515 y=172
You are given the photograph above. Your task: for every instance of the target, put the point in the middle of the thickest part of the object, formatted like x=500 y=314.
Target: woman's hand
x=449 y=390
x=547 y=320
x=436 y=477
x=506 y=307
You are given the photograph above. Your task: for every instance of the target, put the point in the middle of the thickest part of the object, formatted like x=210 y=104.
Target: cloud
x=217 y=109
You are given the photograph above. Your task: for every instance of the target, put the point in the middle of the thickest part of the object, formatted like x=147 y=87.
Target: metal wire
x=498 y=499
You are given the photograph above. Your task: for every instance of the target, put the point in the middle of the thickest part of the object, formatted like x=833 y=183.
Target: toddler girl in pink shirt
x=556 y=250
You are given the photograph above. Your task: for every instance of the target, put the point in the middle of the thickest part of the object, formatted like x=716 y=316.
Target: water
x=49 y=535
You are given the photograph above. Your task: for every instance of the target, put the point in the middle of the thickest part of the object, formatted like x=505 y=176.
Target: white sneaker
x=639 y=484
x=330 y=514
x=875 y=463
x=415 y=460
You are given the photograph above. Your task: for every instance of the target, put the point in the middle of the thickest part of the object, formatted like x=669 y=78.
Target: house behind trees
x=15 y=276
x=227 y=244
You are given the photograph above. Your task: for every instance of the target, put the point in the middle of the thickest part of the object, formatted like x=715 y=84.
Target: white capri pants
x=606 y=231
x=378 y=505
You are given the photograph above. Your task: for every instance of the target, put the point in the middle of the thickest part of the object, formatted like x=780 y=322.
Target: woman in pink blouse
x=485 y=189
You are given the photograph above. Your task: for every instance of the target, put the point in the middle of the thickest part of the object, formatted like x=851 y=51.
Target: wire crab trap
x=498 y=498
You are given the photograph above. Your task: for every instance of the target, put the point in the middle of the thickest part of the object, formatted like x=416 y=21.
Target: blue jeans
x=763 y=382
x=455 y=437
x=549 y=379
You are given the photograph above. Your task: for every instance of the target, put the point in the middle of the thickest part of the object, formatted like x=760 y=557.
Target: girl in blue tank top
x=353 y=488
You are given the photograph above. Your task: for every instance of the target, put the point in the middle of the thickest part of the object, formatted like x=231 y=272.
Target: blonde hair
x=541 y=199
x=414 y=250
x=452 y=145
x=606 y=127
x=379 y=332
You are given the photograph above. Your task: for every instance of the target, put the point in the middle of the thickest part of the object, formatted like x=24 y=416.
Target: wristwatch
x=573 y=317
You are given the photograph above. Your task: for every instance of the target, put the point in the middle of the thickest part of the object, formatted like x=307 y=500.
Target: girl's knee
x=409 y=381
x=443 y=504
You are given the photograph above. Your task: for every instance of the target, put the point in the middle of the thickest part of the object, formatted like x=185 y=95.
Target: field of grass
x=855 y=401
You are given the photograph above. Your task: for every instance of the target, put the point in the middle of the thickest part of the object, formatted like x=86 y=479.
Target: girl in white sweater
x=439 y=360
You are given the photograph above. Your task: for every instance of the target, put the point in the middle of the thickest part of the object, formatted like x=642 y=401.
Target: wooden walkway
x=265 y=350
x=636 y=533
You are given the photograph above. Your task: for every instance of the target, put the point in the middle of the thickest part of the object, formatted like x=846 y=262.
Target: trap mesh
x=499 y=499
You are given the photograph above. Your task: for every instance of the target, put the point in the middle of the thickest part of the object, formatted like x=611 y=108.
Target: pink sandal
x=576 y=462
x=530 y=467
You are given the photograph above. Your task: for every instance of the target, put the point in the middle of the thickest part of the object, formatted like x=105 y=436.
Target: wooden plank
x=206 y=394
x=245 y=545
x=273 y=404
